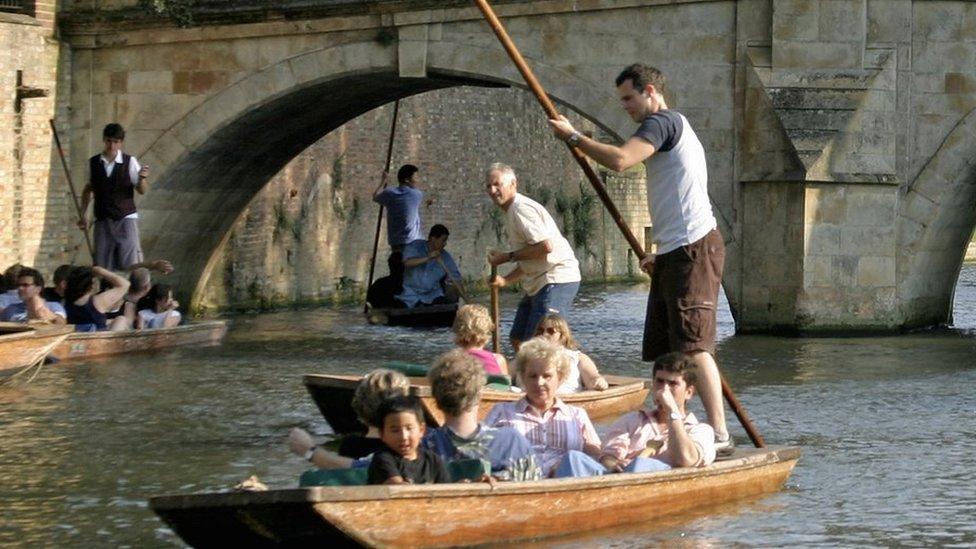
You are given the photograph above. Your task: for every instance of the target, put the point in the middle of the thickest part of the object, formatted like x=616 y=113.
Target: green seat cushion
x=356 y=476
x=469 y=469
x=408 y=369
x=499 y=379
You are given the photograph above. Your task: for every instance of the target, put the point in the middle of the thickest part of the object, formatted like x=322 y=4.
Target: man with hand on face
x=545 y=262
x=690 y=255
x=429 y=270
x=32 y=307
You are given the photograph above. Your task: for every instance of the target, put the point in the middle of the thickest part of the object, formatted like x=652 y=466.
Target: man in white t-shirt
x=546 y=264
x=690 y=255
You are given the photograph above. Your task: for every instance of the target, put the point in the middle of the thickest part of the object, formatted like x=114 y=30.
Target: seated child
x=375 y=387
x=163 y=313
x=472 y=331
x=583 y=374
x=403 y=461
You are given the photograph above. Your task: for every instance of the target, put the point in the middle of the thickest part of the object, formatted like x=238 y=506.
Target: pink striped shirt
x=633 y=433
x=555 y=432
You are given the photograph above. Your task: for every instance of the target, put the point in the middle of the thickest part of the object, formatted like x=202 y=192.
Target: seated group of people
x=77 y=297
x=537 y=436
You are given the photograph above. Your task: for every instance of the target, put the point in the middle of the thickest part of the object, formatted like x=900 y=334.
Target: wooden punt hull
x=333 y=395
x=88 y=345
x=22 y=345
x=426 y=316
x=467 y=514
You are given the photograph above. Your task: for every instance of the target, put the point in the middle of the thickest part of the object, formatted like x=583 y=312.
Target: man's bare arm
x=634 y=151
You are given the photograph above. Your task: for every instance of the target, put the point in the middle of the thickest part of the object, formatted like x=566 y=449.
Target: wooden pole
x=457 y=283
x=74 y=194
x=379 y=217
x=598 y=186
x=496 y=338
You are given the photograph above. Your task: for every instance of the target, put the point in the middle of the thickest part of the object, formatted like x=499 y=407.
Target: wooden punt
x=23 y=345
x=467 y=514
x=88 y=345
x=419 y=317
x=333 y=395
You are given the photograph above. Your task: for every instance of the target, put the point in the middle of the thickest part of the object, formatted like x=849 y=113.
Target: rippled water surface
x=887 y=427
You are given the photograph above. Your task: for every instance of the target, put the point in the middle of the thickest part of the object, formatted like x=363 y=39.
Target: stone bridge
x=841 y=134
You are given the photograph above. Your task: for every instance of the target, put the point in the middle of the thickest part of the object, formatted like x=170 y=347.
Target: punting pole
x=379 y=217
x=598 y=186
x=71 y=185
x=496 y=339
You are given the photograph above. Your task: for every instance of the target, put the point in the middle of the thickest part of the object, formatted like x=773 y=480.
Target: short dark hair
x=113 y=131
x=61 y=273
x=10 y=276
x=677 y=363
x=80 y=281
x=406 y=172
x=438 y=230
x=160 y=291
x=397 y=405
x=642 y=75
x=33 y=273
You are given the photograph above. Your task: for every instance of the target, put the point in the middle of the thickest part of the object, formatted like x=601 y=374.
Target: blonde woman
x=375 y=387
x=583 y=374
x=472 y=330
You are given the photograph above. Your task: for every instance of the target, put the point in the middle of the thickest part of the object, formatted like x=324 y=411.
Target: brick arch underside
x=205 y=187
x=936 y=222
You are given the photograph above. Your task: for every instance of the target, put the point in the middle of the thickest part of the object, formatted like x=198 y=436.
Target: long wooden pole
x=74 y=194
x=379 y=217
x=598 y=186
x=457 y=283
x=496 y=339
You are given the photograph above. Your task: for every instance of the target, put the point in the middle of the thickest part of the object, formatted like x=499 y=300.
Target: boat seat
x=356 y=476
x=408 y=369
x=468 y=469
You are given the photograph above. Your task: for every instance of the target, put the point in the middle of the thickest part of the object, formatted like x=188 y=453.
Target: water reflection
x=886 y=424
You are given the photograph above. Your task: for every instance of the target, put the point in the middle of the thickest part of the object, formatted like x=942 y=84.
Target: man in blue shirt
x=402 y=205
x=429 y=271
x=32 y=307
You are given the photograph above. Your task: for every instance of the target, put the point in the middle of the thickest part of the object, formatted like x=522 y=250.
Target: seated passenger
x=382 y=292
x=472 y=330
x=655 y=439
x=583 y=374
x=428 y=270
x=32 y=307
x=375 y=387
x=456 y=381
x=86 y=309
x=163 y=313
x=8 y=286
x=551 y=426
x=402 y=460
x=140 y=282
x=56 y=292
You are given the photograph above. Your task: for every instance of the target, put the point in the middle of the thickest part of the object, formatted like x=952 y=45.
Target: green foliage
x=581 y=213
x=180 y=12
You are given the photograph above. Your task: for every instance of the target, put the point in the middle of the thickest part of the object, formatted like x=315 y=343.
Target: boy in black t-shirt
x=403 y=461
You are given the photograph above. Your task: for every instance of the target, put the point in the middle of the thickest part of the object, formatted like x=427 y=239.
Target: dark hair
x=406 y=172
x=10 y=276
x=677 y=363
x=160 y=291
x=80 y=281
x=438 y=230
x=61 y=273
x=397 y=405
x=113 y=131
x=33 y=273
x=642 y=75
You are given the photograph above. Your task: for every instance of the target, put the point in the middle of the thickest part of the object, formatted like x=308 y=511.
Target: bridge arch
x=220 y=154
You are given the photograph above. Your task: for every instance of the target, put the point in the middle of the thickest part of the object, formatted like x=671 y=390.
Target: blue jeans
x=551 y=299
x=578 y=464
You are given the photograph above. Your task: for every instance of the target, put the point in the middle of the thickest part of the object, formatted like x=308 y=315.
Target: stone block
x=868 y=240
x=818 y=55
x=199 y=82
x=825 y=204
x=795 y=20
x=149 y=82
x=817 y=271
x=938 y=21
x=412 y=51
x=875 y=272
x=822 y=239
x=842 y=21
x=889 y=21
x=930 y=56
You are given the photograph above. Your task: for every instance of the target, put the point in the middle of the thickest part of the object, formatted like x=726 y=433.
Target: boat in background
x=447 y=515
x=88 y=345
x=333 y=395
x=24 y=345
x=425 y=316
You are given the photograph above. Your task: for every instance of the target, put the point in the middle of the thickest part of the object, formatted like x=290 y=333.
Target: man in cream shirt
x=545 y=262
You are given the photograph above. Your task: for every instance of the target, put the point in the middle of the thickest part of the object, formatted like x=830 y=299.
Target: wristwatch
x=677 y=416
x=310 y=453
x=574 y=138
x=511 y=256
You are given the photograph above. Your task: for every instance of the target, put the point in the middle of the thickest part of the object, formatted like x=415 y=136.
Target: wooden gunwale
x=623 y=395
x=88 y=345
x=461 y=514
x=22 y=345
x=427 y=315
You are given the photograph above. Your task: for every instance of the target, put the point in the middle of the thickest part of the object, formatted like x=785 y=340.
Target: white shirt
x=134 y=168
x=527 y=222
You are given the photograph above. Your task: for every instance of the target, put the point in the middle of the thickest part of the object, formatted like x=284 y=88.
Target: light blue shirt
x=18 y=311
x=402 y=205
x=422 y=284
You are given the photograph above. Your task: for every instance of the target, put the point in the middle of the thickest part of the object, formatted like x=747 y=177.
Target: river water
x=887 y=426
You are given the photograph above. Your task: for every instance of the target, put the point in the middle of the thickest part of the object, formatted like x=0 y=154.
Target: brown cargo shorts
x=683 y=298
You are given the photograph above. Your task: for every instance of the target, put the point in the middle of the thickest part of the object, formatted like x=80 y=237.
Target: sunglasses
x=550 y=331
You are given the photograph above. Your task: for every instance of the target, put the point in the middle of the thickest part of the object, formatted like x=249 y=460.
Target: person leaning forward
x=690 y=255
x=546 y=264
x=113 y=178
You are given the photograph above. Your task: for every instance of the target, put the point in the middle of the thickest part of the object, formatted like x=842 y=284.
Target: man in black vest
x=113 y=176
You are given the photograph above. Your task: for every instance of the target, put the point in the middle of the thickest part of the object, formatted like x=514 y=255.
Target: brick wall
x=308 y=235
